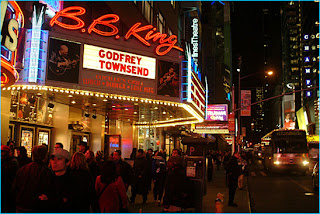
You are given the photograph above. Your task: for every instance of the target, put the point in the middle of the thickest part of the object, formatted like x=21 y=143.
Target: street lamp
x=268 y=73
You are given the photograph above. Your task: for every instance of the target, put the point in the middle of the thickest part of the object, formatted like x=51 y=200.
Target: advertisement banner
x=212 y=128
x=246 y=101
x=232 y=125
x=288 y=112
x=168 y=78
x=63 y=61
x=217 y=112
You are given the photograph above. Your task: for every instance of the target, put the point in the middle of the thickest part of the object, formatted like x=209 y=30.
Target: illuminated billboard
x=217 y=112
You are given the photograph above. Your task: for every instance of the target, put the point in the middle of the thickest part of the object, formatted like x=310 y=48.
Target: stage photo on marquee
x=168 y=78
x=64 y=58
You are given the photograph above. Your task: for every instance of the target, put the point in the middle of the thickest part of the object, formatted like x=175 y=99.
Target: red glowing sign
x=108 y=20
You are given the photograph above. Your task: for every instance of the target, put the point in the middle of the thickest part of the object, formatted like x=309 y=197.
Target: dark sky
x=249 y=30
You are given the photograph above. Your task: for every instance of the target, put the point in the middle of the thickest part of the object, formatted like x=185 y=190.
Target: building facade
x=106 y=73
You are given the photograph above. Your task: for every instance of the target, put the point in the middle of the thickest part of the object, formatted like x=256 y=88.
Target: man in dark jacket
x=178 y=189
x=141 y=175
x=123 y=168
x=9 y=168
x=32 y=181
x=233 y=170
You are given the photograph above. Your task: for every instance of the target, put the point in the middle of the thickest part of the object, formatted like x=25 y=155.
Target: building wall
x=60 y=122
x=5 y=113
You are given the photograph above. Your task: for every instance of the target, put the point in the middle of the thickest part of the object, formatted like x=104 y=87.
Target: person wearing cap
x=83 y=147
x=32 y=182
x=9 y=168
x=64 y=183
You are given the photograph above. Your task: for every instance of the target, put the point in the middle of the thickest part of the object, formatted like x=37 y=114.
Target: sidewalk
x=218 y=184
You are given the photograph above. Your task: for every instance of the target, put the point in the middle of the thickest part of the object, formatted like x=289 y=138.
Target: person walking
x=233 y=171
x=9 y=168
x=23 y=158
x=159 y=176
x=84 y=182
x=210 y=165
x=178 y=190
x=243 y=165
x=32 y=182
x=123 y=169
x=140 y=181
x=92 y=164
x=110 y=190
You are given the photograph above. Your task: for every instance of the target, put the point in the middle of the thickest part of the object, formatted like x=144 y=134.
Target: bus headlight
x=276 y=162
x=305 y=163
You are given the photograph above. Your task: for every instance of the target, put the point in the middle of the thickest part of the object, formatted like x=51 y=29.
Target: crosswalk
x=259 y=173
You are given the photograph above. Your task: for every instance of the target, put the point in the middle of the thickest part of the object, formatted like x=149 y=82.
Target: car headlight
x=276 y=162
x=305 y=163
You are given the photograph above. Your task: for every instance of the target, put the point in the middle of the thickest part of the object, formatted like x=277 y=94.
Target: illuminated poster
x=246 y=101
x=43 y=138
x=168 y=78
x=27 y=139
x=64 y=57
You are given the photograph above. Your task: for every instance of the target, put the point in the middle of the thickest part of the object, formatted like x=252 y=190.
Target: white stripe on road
x=303 y=187
x=263 y=173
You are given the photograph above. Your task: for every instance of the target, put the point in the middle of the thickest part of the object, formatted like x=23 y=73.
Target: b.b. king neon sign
x=108 y=20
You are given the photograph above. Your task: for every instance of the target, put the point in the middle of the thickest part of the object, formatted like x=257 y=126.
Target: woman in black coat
x=140 y=169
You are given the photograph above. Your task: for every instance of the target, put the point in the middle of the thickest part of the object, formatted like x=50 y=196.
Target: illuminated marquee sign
x=193 y=91
x=217 y=112
x=212 y=128
x=195 y=40
x=137 y=31
x=11 y=11
x=109 y=60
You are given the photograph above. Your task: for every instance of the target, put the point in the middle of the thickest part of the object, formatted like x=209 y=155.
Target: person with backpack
x=110 y=189
x=158 y=176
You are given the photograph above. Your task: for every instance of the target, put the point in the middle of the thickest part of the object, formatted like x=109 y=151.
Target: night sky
x=248 y=27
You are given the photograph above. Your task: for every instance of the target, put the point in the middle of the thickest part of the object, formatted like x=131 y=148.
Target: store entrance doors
x=76 y=138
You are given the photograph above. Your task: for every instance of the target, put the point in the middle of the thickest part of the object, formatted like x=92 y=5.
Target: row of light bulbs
x=89 y=93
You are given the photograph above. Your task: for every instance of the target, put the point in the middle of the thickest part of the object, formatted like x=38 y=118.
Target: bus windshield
x=290 y=144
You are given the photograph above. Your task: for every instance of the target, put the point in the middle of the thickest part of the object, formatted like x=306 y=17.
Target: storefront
x=90 y=77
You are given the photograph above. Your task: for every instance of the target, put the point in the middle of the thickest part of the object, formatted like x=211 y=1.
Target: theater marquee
x=108 y=60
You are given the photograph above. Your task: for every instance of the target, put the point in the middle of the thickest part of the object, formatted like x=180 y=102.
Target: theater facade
x=96 y=72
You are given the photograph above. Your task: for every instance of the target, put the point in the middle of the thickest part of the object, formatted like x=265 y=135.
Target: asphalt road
x=281 y=193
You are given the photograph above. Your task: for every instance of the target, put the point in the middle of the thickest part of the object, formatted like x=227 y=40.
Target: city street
x=288 y=192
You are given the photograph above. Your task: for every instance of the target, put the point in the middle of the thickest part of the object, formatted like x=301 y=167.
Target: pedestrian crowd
x=85 y=182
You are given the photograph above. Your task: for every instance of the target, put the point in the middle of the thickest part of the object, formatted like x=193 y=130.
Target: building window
x=161 y=23
x=147 y=10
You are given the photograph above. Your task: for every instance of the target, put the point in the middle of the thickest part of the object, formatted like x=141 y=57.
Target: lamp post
x=267 y=73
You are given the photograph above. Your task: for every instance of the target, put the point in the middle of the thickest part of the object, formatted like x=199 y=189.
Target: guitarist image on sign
x=60 y=62
x=169 y=83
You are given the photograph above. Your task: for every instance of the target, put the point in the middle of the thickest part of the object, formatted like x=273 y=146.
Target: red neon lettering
x=71 y=15
x=172 y=41
x=134 y=30
x=100 y=21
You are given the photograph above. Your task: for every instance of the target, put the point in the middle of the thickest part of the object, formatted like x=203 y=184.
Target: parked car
x=315 y=177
